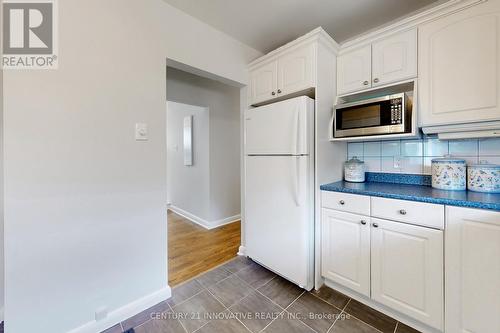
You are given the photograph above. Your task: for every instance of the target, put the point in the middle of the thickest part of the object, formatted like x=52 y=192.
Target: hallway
x=193 y=250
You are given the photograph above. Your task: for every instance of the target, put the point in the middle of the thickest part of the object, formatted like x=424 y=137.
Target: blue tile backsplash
x=415 y=156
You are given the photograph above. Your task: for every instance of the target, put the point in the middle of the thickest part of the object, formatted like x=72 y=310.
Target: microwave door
x=374 y=117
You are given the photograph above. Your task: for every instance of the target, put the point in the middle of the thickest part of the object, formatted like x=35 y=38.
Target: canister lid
x=485 y=166
x=448 y=160
x=354 y=160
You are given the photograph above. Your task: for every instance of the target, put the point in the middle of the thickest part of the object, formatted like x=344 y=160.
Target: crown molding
x=409 y=22
x=317 y=35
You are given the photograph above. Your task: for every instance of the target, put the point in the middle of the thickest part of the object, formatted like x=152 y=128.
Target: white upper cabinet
x=459 y=67
x=394 y=58
x=346 y=249
x=387 y=60
x=290 y=71
x=354 y=70
x=472 y=270
x=407 y=270
x=264 y=82
x=295 y=70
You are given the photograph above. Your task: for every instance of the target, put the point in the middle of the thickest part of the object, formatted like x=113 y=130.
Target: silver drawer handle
x=376 y=80
x=366 y=83
x=342 y=202
x=402 y=212
x=363 y=222
x=375 y=225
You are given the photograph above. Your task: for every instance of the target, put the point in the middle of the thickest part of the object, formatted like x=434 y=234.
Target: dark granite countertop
x=415 y=189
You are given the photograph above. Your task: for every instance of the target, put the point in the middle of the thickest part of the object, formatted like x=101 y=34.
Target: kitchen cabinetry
x=407 y=269
x=286 y=73
x=346 y=251
x=387 y=60
x=264 y=82
x=472 y=270
x=354 y=70
x=459 y=67
x=396 y=263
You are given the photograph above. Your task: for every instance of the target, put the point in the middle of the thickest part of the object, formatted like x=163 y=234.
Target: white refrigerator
x=279 y=188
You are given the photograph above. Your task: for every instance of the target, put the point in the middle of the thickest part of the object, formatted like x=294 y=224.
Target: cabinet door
x=354 y=70
x=264 y=82
x=346 y=249
x=395 y=58
x=472 y=271
x=459 y=67
x=407 y=270
x=296 y=70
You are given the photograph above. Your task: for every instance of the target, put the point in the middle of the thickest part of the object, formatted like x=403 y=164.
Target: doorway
x=203 y=174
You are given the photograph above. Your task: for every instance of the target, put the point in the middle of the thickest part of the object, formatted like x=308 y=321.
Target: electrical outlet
x=397 y=162
x=101 y=313
x=141 y=132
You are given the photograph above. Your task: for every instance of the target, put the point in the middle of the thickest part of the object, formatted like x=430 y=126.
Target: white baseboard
x=242 y=251
x=125 y=312
x=202 y=222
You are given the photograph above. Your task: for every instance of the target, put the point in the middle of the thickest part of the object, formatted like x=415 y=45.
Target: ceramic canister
x=484 y=178
x=354 y=170
x=449 y=174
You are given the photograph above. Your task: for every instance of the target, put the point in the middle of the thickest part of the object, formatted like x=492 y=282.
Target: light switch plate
x=141 y=132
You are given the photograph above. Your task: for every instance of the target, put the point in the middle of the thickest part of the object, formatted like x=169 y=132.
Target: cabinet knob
x=376 y=80
x=342 y=202
x=273 y=93
x=366 y=83
x=402 y=212
x=363 y=222
x=375 y=225
x=279 y=91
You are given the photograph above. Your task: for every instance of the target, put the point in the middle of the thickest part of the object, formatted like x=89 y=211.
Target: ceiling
x=268 y=24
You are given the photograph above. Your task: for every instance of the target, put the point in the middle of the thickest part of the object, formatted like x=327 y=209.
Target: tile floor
x=241 y=296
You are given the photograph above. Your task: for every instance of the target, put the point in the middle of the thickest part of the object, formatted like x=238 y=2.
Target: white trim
x=125 y=312
x=407 y=23
x=317 y=34
x=242 y=251
x=2 y=309
x=209 y=225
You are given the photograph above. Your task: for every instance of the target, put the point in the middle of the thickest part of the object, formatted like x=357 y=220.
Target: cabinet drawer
x=351 y=203
x=418 y=213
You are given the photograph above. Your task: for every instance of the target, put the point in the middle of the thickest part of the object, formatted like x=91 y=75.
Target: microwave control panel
x=396 y=110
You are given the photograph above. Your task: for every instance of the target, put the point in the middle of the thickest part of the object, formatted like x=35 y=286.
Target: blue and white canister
x=449 y=174
x=484 y=178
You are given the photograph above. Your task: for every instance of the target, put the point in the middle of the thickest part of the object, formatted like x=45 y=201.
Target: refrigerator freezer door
x=279 y=217
x=282 y=128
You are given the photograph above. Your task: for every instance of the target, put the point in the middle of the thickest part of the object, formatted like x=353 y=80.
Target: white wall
x=223 y=102
x=84 y=203
x=188 y=186
x=2 y=270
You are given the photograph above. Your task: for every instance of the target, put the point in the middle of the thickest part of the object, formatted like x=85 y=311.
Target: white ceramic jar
x=449 y=174
x=484 y=178
x=354 y=170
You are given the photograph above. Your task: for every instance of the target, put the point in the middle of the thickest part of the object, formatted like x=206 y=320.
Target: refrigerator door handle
x=296 y=180
x=296 y=132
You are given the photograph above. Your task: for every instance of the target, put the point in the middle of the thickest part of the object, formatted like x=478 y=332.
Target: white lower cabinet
x=472 y=271
x=397 y=264
x=346 y=249
x=407 y=270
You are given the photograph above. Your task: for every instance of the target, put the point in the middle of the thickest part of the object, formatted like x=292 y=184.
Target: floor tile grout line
x=180 y=322
x=187 y=299
x=396 y=328
x=341 y=311
x=336 y=307
x=284 y=310
x=364 y=322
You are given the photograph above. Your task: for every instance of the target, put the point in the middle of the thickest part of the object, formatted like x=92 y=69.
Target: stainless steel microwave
x=389 y=114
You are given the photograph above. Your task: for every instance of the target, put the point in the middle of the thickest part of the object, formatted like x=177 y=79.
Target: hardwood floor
x=193 y=250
